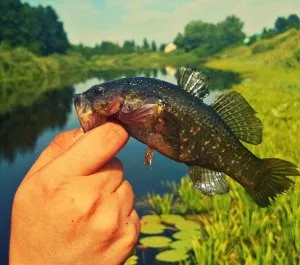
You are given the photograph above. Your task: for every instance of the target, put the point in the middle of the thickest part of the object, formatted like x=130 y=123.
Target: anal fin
x=148 y=156
x=208 y=181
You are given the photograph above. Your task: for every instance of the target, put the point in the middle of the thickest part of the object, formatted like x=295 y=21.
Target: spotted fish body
x=174 y=120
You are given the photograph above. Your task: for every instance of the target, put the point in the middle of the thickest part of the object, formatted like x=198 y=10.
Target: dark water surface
x=28 y=126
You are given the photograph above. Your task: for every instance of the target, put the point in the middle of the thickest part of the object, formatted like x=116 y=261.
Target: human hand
x=73 y=206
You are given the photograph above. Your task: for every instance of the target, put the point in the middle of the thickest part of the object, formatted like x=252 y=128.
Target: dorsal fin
x=194 y=82
x=239 y=116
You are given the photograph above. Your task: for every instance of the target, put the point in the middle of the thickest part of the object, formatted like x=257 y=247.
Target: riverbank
x=19 y=64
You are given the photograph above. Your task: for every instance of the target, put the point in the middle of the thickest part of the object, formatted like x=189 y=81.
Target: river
x=27 y=128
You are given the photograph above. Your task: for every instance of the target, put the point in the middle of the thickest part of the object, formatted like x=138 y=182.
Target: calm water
x=27 y=128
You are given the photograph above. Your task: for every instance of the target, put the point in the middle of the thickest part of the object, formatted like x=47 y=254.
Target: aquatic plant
x=173 y=239
x=160 y=204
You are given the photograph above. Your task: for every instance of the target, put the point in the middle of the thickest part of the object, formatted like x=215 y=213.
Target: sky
x=92 y=21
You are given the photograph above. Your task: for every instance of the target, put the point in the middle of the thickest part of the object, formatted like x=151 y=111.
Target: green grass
x=18 y=64
x=234 y=229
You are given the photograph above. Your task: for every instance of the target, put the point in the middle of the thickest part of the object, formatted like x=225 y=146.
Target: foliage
x=37 y=28
x=162 y=47
x=153 y=46
x=206 y=38
x=20 y=64
x=170 y=247
x=146 y=45
x=161 y=204
x=281 y=25
x=133 y=260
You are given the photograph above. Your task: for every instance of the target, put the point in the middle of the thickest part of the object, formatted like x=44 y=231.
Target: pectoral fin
x=138 y=115
x=208 y=181
x=148 y=156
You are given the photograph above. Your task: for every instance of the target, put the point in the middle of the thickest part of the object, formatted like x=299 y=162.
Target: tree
x=128 y=46
x=37 y=28
x=231 y=30
x=153 y=46
x=108 y=47
x=145 y=44
x=293 y=21
x=281 y=24
x=162 y=47
x=207 y=38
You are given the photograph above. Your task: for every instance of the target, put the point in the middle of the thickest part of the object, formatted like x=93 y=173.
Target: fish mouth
x=87 y=116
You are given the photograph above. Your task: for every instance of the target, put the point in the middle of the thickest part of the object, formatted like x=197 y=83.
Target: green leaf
x=186 y=244
x=175 y=255
x=155 y=241
x=150 y=219
x=171 y=218
x=133 y=260
x=186 y=234
x=149 y=228
x=187 y=225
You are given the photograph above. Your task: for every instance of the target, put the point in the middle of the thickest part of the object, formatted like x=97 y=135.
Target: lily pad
x=171 y=218
x=133 y=260
x=151 y=218
x=155 y=241
x=186 y=244
x=149 y=228
x=174 y=255
x=186 y=234
x=187 y=225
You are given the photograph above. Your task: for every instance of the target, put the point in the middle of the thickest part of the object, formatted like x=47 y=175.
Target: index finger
x=92 y=150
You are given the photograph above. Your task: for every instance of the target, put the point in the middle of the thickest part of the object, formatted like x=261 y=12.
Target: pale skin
x=74 y=206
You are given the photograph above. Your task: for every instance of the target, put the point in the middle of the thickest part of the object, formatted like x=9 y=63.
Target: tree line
x=281 y=25
x=36 y=28
x=40 y=30
x=111 y=48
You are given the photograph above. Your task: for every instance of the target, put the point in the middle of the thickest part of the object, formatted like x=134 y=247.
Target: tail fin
x=273 y=180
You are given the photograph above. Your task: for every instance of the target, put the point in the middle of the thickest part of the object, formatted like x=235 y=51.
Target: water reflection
x=21 y=127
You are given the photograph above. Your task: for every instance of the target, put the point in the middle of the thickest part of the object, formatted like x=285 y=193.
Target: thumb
x=92 y=150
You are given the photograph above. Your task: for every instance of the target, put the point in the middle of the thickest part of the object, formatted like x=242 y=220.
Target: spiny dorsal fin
x=194 y=82
x=239 y=116
x=208 y=181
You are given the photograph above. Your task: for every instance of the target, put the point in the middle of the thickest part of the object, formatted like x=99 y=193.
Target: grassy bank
x=232 y=229
x=19 y=64
x=141 y=61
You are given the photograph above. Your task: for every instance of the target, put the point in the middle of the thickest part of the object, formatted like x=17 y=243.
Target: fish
x=174 y=120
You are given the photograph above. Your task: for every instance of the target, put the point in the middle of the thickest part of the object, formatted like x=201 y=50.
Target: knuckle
x=116 y=164
x=107 y=226
x=128 y=190
x=131 y=236
x=111 y=174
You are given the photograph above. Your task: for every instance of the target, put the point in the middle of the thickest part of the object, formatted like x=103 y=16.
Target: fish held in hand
x=174 y=120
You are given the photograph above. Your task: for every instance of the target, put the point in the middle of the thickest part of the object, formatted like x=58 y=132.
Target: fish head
x=96 y=105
